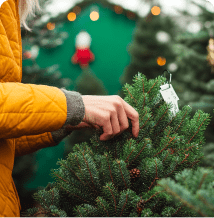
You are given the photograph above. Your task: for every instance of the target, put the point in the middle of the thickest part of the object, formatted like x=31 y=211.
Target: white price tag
x=169 y=95
x=168 y=92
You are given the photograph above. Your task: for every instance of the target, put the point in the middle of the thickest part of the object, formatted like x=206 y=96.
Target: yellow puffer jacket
x=28 y=112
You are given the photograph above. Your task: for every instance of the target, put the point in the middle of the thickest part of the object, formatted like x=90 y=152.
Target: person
x=39 y=116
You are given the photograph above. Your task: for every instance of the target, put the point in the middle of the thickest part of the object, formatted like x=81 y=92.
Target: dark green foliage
x=95 y=180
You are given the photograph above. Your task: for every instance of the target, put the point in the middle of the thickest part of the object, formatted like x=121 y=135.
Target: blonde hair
x=27 y=7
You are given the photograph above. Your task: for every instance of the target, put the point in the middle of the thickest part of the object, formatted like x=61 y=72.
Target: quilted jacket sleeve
x=75 y=110
x=29 y=109
x=29 y=144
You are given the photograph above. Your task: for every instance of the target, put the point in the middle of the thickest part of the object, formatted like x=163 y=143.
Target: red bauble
x=82 y=57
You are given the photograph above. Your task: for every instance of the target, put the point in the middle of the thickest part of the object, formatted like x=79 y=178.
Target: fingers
x=118 y=121
x=132 y=114
x=111 y=113
x=107 y=129
x=116 y=128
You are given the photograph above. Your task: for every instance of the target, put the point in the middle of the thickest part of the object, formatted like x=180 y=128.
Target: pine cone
x=134 y=173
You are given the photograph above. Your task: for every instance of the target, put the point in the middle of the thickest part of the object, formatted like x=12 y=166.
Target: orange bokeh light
x=161 y=61
x=155 y=10
x=50 y=26
x=72 y=16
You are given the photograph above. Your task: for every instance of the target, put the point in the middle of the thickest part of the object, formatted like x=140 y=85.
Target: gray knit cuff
x=75 y=107
x=75 y=114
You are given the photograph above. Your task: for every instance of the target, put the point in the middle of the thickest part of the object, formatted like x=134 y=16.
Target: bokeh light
x=161 y=61
x=118 y=9
x=155 y=10
x=50 y=26
x=77 y=10
x=94 y=15
x=72 y=16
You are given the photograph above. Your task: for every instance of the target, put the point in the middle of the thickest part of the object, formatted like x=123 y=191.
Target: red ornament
x=82 y=57
x=83 y=54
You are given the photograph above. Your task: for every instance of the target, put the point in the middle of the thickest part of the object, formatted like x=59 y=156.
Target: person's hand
x=110 y=113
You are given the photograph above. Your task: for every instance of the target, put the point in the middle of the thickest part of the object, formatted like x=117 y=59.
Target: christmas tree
x=119 y=177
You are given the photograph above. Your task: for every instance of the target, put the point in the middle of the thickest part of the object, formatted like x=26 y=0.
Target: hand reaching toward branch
x=110 y=113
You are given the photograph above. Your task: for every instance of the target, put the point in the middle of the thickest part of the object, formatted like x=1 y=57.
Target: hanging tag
x=168 y=92
x=169 y=95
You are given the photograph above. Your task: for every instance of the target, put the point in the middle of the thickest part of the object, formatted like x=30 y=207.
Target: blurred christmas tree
x=151 y=49
x=119 y=177
x=193 y=80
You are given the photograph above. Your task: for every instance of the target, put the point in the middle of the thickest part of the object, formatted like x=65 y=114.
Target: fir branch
x=74 y=174
x=132 y=96
x=165 y=146
x=181 y=122
x=161 y=117
x=109 y=169
x=145 y=122
x=202 y=180
x=92 y=154
x=143 y=116
x=90 y=174
x=115 y=203
x=177 y=210
x=40 y=212
x=196 y=161
x=127 y=159
x=152 y=87
x=82 y=173
x=103 y=207
x=186 y=203
x=144 y=97
x=61 y=178
x=69 y=194
x=167 y=126
x=79 y=212
x=137 y=154
x=157 y=193
x=122 y=174
x=124 y=205
x=156 y=176
x=197 y=131
x=186 y=156
x=52 y=197
x=166 y=156
x=206 y=203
